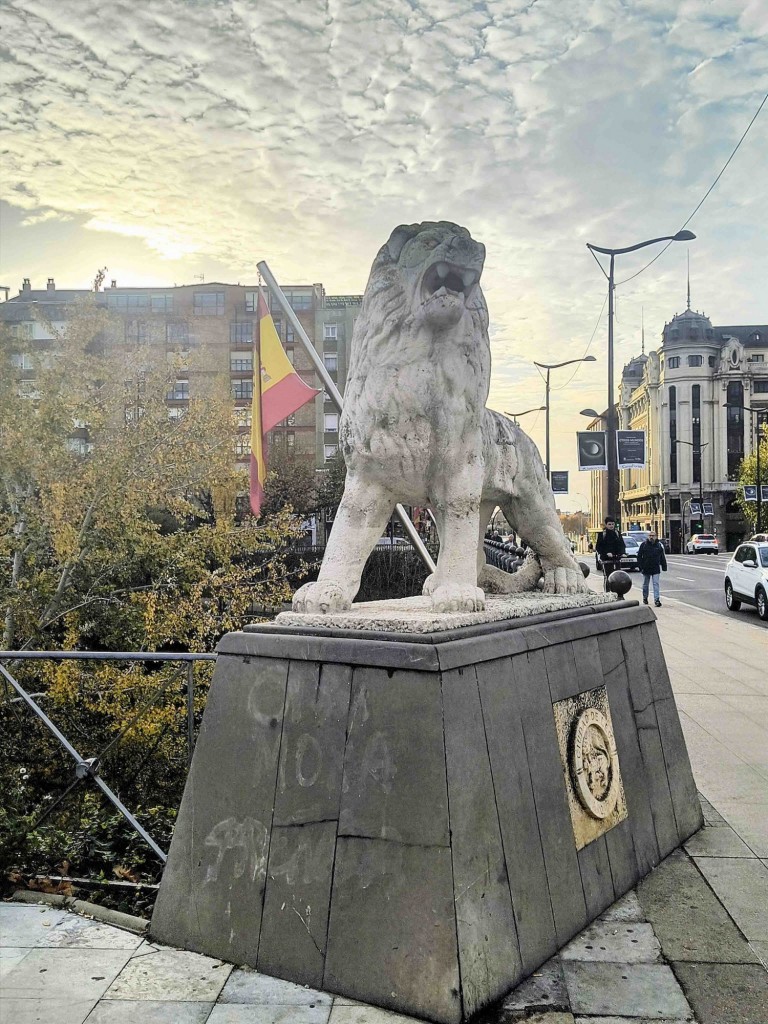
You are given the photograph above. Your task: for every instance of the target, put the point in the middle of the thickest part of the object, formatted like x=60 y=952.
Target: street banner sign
x=593 y=452
x=709 y=508
x=750 y=492
x=695 y=508
x=630 y=449
x=559 y=481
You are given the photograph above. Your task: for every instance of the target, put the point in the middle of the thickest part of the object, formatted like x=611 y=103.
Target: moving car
x=701 y=543
x=746 y=578
x=629 y=558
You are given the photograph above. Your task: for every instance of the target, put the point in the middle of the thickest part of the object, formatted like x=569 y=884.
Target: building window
x=243 y=446
x=251 y=302
x=23 y=360
x=290 y=337
x=299 y=300
x=179 y=392
x=176 y=412
x=79 y=446
x=291 y=420
x=22 y=331
x=137 y=332
x=758 y=358
x=674 y=506
x=277 y=321
x=241 y=333
x=695 y=360
x=208 y=303
x=696 y=431
x=242 y=389
x=673 y=435
x=735 y=427
x=244 y=418
x=177 y=334
x=673 y=362
x=290 y=440
x=760 y=387
x=125 y=301
x=711 y=360
x=161 y=303
x=331 y=360
x=331 y=422
x=330 y=332
x=291 y=356
x=329 y=450
x=241 y=364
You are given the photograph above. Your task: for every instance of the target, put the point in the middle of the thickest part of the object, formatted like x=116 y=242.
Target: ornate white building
x=687 y=396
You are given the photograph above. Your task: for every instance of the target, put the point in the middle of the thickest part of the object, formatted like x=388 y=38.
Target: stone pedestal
x=420 y=820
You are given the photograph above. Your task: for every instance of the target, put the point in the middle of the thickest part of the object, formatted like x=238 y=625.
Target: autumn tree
x=748 y=475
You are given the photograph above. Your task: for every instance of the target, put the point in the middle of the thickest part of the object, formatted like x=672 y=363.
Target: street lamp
x=548 y=367
x=514 y=415
x=754 y=413
x=696 y=449
x=681 y=236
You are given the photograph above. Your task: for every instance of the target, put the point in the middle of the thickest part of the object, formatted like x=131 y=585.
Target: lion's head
x=425 y=275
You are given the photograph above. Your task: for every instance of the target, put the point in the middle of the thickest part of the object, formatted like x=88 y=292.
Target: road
x=697 y=580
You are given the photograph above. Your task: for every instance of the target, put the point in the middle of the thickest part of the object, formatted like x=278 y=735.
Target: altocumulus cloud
x=237 y=130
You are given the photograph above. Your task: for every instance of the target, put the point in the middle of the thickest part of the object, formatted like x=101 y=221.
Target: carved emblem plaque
x=590 y=764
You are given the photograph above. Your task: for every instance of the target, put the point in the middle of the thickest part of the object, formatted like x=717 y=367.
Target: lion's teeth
x=468 y=277
x=442 y=270
x=441 y=291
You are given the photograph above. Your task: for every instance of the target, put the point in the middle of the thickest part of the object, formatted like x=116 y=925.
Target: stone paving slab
x=78 y=932
x=687 y=917
x=615 y=942
x=761 y=948
x=631 y=1020
x=26 y=926
x=240 y=1014
x=65 y=974
x=247 y=986
x=171 y=974
x=149 y=1011
x=626 y=909
x=726 y=993
x=359 y=1013
x=649 y=990
x=721 y=841
x=45 y=1011
x=10 y=957
x=742 y=886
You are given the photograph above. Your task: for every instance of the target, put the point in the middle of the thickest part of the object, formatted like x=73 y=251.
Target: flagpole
x=335 y=396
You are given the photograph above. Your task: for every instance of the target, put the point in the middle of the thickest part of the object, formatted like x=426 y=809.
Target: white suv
x=746 y=578
x=701 y=542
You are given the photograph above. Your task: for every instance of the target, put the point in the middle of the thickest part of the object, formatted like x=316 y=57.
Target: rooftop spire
x=689 y=279
x=642 y=327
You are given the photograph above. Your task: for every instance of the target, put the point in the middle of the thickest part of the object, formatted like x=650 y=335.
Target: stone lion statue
x=415 y=430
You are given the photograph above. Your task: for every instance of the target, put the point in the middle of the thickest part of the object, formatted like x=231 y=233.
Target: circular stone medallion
x=594 y=763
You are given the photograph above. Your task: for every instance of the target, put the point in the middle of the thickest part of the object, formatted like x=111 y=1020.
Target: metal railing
x=89 y=767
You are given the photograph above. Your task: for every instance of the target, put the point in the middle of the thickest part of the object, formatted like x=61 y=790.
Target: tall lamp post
x=754 y=413
x=681 y=236
x=548 y=367
x=696 y=449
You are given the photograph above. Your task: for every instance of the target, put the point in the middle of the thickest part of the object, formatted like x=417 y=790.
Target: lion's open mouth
x=449 y=279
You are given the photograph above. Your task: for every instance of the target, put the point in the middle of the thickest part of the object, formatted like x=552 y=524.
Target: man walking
x=610 y=547
x=651 y=560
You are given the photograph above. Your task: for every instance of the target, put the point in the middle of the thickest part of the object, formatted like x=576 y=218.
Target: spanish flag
x=278 y=392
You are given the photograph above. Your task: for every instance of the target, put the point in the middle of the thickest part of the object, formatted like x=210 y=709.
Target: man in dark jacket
x=610 y=547
x=651 y=560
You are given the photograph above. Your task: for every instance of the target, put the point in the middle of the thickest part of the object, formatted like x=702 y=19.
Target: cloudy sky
x=167 y=139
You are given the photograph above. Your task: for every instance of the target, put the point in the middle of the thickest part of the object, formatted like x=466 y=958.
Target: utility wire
x=586 y=350
x=702 y=201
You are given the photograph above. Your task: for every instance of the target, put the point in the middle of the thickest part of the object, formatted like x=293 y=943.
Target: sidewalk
x=689 y=944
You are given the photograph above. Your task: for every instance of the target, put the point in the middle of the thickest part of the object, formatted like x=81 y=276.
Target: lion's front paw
x=320 y=599
x=559 y=580
x=454 y=597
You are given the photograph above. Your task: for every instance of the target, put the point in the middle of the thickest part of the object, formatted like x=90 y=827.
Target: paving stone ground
x=688 y=946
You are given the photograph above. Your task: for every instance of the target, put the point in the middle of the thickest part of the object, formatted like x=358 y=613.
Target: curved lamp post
x=681 y=236
x=548 y=367
x=514 y=415
x=696 y=448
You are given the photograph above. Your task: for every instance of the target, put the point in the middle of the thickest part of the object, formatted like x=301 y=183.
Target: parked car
x=759 y=536
x=628 y=559
x=701 y=543
x=393 y=542
x=746 y=578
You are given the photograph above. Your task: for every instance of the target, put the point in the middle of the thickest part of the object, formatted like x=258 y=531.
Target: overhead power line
x=702 y=200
